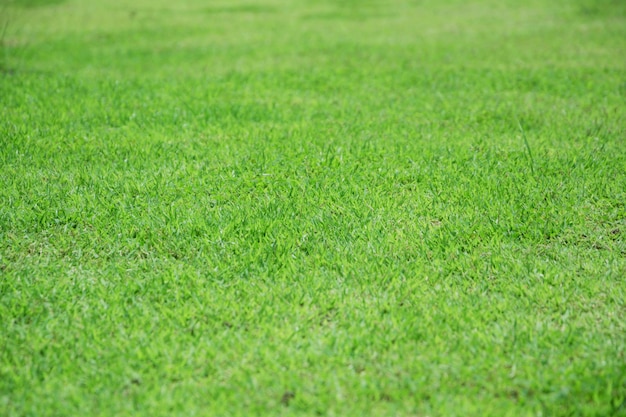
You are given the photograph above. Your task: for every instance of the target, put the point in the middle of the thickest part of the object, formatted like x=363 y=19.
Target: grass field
x=313 y=207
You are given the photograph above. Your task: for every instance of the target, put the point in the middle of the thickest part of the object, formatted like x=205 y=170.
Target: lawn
x=313 y=207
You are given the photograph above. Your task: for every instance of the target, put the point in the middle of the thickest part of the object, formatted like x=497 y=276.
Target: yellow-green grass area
x=313 y=207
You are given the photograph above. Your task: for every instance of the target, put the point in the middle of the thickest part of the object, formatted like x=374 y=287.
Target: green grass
x=313 y=208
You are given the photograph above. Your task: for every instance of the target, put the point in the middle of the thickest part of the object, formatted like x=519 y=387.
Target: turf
x=313 y=208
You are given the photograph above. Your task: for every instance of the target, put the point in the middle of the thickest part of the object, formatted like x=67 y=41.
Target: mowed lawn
x=313 y=207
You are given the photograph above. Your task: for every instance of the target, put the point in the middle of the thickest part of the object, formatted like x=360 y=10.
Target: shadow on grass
x=6 y=20
x=244 y=8
x=602 y=8
x=35 y=3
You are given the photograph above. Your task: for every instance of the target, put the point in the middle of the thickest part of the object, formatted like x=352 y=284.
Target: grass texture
x=313 y=207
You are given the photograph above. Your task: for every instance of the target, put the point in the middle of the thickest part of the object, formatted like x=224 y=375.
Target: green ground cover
x=313 y=207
